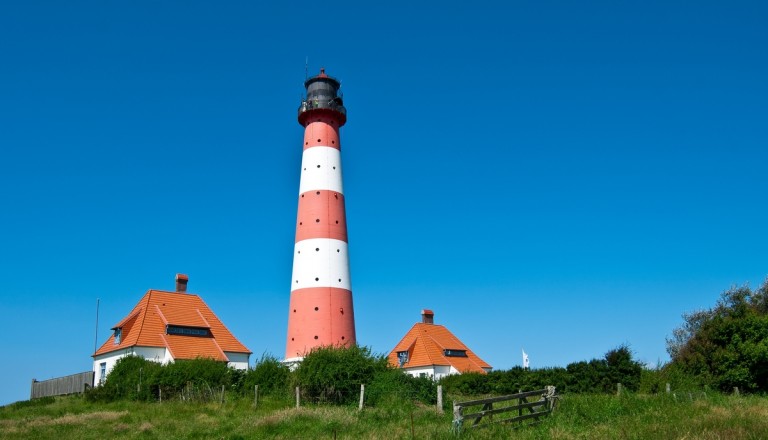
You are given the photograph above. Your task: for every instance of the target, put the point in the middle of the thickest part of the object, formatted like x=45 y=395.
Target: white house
x=166 y=326
x=431 y=349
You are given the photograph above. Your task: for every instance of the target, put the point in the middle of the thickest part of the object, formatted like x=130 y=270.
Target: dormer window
x=450 y=352
x=186 y=331
x=118 y=334
x=402 y=357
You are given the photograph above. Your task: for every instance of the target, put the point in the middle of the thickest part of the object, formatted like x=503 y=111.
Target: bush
x=270 y=375
x=655 y=380
x=468 y=384
x=394 y=386
x=595 y=376
x=132 y=377
x=135 y=378
x=334 y=374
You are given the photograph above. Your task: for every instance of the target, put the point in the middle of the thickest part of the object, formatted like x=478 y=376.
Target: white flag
x=525 y=359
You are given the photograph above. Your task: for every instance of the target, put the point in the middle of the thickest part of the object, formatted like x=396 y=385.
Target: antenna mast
x=96 y=340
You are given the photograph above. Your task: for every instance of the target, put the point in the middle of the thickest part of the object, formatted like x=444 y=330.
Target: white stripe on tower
x=321 y=312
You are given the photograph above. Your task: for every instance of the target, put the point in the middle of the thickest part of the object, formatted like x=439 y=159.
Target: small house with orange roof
x=431 y=349
x=168 y=326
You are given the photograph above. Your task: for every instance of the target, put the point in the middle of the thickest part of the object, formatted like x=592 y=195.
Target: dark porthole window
x=317 y=192
x=317 y=220
x=318 y=166
x=317 y=308
x=317 y=279
x=318 y=140
x=316 y=337
x=317 y=249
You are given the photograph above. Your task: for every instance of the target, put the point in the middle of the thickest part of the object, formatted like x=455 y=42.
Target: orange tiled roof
x=425 y=344
x=146 y=324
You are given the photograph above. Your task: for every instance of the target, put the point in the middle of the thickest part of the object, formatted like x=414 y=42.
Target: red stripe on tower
x=320 y=312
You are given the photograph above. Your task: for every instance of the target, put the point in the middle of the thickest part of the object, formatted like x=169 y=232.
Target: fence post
x=458 y=418
x=735 y=391
x=297 y=397
x=618 y=389
x=32 y=390
x=668 y=388
x=222 y=394
x=440 y=399
x=255 y=395
x=362 y=397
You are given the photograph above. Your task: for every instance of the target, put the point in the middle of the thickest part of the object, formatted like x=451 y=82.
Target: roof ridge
x=168 y=346
x=220 y=322
x=402 y=340
x=216 y=343
x=161 y=315
x=130 y=316
x=424 y=342
x=147 y=295
x=203 y=318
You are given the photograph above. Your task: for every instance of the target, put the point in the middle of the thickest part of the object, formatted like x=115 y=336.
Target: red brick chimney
x=181 y=283
x=427 y=316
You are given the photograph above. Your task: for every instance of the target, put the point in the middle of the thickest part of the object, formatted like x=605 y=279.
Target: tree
x=726 y=346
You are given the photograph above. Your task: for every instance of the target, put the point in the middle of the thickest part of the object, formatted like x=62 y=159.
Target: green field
x=710 y=416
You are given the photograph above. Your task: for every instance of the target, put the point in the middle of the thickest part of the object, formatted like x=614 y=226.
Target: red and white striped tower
x=320 y=312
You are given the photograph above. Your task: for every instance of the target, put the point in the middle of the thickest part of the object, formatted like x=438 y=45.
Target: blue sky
x=556 y=176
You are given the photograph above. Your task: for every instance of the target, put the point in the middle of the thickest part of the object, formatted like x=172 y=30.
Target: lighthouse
x=320 y=312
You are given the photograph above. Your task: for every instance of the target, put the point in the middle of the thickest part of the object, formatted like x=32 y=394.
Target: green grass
x=712 y=416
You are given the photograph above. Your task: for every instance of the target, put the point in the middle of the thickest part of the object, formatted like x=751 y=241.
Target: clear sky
x=563 y=177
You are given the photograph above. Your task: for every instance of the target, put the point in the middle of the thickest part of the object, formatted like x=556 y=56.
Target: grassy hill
x=711 y=416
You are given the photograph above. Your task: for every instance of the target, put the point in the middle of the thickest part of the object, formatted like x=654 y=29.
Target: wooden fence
x=512 y=404
x=75 y=383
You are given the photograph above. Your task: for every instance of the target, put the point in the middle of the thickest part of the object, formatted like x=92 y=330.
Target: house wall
x=434 y=371
x=156 y=354
x=238 y=361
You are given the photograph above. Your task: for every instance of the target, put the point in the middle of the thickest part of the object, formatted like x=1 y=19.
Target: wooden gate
x=518 y=404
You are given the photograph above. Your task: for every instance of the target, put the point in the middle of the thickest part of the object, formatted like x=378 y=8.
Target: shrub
x=198 y=379
x=135 y=378
x=132 y=377
x=334 y=374
x=269 y=374
x=468 y=384
x=393 y=386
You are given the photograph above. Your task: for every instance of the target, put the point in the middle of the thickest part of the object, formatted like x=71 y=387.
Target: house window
x=102 y=372
x=402 y=357
x=118 y=335
x=186 y=331
x=450 y=352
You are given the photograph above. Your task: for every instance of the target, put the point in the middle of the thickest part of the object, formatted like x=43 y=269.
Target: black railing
x=316 y=104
